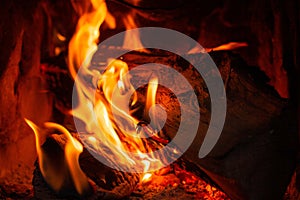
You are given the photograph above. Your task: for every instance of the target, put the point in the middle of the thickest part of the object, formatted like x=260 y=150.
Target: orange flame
x=132 y=41
x=223 y=47
x=151 y=93
x=146 y=177
x=84 y=42
x=228 y=46
x=112 y=125
x=55 y=175
x=105 y=114
x=151 y=111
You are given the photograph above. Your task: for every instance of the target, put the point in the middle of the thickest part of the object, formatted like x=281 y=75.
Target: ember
x=173 y=182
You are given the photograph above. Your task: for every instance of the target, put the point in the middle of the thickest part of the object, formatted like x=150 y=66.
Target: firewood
x=258 y=133
x=105 y=183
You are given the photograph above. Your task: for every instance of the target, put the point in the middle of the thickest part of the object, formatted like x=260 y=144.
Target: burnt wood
x=23 y=41
x=257 y=150
x=105 y=183
x=260 y=129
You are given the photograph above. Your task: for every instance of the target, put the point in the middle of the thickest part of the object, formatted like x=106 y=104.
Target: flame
x=84 y=41
x=228 y=46
x=106 y=117
x=73 y=149
x=151 y=93
x=54 y=174
x=151 y=111
x=132 y=41
x=48 y=173
x=223 y=47
x=109 y=130
x=61 y=37
x=110 y=20
x=111 y=126
x=146 y=177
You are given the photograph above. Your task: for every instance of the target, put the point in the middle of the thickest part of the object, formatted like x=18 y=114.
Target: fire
x=105 y=114
x=55 y=175
x=151 y=94
x=146 y=177
x=223 y=47
x=132 y=40
x=84 y=42
x=111 y=126
x=102 y=105
x=228 y=46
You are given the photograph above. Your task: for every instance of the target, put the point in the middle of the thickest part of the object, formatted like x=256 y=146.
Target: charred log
x=260 y=129
x=272 y=30
x=105 y=183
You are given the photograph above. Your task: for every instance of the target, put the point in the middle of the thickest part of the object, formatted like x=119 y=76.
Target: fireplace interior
x=255 y=46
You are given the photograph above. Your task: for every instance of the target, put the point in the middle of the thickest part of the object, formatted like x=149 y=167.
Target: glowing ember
x=174 y=182
x=61 y=37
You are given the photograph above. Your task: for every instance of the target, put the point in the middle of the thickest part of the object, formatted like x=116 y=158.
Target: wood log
x=259 y=133
x=105 y=183
x=182 y=179
x=23 y=28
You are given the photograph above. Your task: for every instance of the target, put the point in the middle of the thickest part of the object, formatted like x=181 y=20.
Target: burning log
x=253 y=141
x=104 y=182
x=242 y=163
x=181 y=179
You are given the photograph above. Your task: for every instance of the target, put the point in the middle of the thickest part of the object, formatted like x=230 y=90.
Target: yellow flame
x=228 y=46
x=107 y=121
x=54 y=173
x=73 y=149
x=223 y=47
x=54 y=182
x=146 y=177
x=151 y=94
x=112 y=125
x=84 y=41
x=132 y=41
